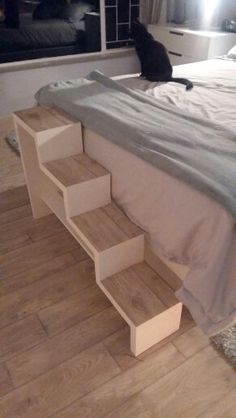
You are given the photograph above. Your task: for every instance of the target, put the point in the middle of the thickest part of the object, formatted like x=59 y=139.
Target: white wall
x=17 y=88
x=227 y=9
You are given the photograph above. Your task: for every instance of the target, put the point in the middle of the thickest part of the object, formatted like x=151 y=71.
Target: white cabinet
x=187 y=45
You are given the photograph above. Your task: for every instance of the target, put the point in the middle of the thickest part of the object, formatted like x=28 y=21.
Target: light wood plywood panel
x=42 y=118
x=68 y=171
x=77 y=189
x=137 y=301
x=99 y=229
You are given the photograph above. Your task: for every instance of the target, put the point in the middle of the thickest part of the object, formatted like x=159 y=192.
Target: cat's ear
x=135 y=21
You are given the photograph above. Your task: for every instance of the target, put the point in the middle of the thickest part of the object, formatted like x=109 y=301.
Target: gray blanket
x=197 y=151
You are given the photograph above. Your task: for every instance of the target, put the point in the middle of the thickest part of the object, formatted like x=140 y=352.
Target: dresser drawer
x=183 y=43
x=179 y=59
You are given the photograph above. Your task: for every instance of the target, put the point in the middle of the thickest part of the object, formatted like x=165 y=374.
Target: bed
x=190 y=230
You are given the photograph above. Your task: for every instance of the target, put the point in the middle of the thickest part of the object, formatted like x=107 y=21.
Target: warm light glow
x=209 y=8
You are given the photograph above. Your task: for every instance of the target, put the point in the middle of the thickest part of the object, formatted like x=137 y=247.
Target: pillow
x=75 y=12
x=232 y=53
x=48 y=9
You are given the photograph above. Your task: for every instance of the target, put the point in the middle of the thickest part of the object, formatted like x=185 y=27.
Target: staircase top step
x=106 y=227
x=41 y=118
x=75 y=169
x=139 y=293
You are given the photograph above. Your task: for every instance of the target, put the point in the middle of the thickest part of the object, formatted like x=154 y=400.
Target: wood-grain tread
x=75 y=169
x=41 y=118
x=106 y=227
x=140 y=293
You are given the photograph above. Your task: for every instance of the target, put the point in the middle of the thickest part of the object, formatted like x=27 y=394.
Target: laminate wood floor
x=64 y=350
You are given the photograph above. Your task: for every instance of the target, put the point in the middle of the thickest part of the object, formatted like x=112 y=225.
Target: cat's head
x=139 y=32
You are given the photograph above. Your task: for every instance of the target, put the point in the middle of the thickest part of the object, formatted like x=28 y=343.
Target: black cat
x=154 y=60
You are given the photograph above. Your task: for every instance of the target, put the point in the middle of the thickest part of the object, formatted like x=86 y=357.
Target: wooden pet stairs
x=62 y=179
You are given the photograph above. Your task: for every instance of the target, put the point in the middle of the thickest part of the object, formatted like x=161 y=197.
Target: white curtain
x=150 y=11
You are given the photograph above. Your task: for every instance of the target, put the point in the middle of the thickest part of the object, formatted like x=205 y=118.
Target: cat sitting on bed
x=154 y=60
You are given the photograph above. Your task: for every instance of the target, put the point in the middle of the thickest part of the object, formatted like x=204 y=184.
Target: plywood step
x=73 y=170
x=105 y=227
x=146 y=302
x=42 y=118
x=139 y=293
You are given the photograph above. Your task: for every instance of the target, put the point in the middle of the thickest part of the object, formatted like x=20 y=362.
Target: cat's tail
x=185 y=81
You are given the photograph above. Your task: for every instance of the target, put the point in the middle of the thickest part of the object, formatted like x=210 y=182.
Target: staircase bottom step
x=147 y=304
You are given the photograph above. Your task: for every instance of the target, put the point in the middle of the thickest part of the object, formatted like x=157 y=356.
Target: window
x=47 y=28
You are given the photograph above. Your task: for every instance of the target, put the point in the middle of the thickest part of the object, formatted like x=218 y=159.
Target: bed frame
x=62 y=179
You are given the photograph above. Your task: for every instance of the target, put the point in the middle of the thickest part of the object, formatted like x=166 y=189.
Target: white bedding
x=181 y=223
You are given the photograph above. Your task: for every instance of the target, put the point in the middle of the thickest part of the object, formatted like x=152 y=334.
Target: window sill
x=64 y=60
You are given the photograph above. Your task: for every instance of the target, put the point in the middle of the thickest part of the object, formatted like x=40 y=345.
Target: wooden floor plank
x=31 y=256
x=5 y=382
x=45 y=292
x=20 y=280
x=15 y=214
x=11 y=244
x=225 y=408
x=191 y=342
x=79 y=254
x=112 y=394
x=14 y=198
x=61 y=386
x=60 y=348
x=20 y=336
x=73 y=309
x=118 y=344
x=186 y=391
x=36 y=229
x=11 y=171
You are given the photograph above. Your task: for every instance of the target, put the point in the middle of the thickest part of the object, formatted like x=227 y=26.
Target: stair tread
x=75 y=169
x=41 y=118
x=139 y=302
x=106 y=227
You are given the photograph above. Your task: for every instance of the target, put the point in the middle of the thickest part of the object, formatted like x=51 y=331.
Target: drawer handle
x=173 y=32
x=175 y=53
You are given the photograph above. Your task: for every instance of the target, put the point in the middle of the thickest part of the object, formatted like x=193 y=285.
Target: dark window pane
x=111 y=23
x=123 y=32
x=110 y=2
x=123 y=11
